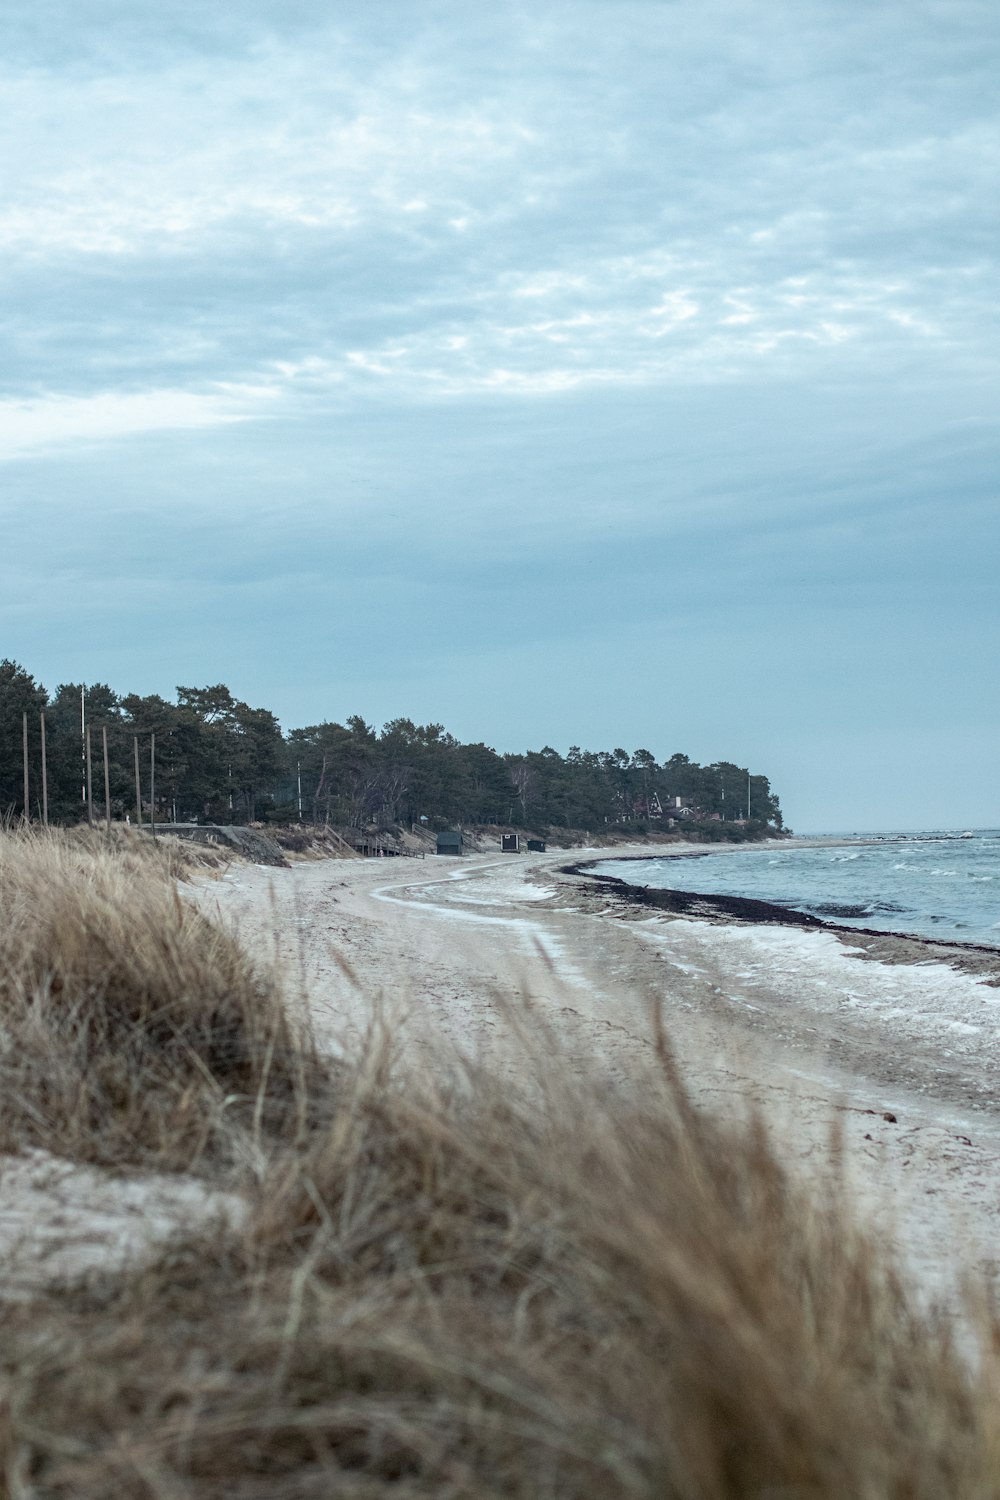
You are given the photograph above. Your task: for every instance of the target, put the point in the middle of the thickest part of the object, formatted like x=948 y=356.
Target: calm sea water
x=935 y=885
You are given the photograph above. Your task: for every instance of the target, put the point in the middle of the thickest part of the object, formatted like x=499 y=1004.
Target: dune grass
x=131 y=1029
x=448 y=1287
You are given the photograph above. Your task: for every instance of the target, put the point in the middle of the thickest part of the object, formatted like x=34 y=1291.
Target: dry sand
x=60 y=1221
x=899 y=1058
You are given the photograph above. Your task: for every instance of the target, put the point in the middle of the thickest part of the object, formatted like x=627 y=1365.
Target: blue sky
x=617 y=372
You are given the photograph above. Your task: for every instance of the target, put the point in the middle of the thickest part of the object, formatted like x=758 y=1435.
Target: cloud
x=32 y=426
x=432 y=346
x=518 y=205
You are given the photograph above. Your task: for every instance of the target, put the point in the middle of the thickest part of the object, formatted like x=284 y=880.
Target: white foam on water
x=932 y=887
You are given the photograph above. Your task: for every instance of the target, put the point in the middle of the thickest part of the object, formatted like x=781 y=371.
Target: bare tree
x=523 y=779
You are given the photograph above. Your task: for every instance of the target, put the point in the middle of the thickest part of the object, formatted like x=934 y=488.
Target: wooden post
x=45 y=778
x=152 y=783
x=89 y=766
x=24 y=751
x=107 y=777
x=138 y=787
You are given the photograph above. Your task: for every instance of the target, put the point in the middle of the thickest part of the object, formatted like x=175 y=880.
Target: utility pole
x=748 y=796
x=138 y=784
x=45 y=777
x=107 y=777
x=89 y=769
x=83 y=747
x=152 y=783
x=298 y=773
x=24 y=753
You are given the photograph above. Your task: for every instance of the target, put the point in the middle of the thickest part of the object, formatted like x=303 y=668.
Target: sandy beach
x=875 y=1059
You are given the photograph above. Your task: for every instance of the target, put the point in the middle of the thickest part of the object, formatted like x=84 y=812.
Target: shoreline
x=880 y=1069
x=882 y=944
x=880 y=1077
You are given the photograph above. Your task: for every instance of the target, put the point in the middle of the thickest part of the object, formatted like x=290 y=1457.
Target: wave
x=924 y=890
x=853 y=910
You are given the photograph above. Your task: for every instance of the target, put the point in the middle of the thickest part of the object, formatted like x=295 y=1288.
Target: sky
x=608 y=373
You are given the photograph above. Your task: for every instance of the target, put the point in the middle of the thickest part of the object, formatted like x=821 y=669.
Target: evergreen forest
x=209 y=757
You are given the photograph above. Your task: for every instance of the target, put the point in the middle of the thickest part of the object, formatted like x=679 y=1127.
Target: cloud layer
x=688 y=308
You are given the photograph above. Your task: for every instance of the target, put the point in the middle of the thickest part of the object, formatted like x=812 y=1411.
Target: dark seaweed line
x=746 y=909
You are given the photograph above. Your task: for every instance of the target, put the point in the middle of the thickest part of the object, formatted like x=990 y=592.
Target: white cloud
x=148 y=165
x=623 y=292
x=32 y=426
x=426 y=212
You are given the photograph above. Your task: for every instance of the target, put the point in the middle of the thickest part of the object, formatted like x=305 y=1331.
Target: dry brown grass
x=136 y=850
x=452 y=1289
x=131 y=1029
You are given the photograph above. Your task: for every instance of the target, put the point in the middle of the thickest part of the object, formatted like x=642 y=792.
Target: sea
x=936 y=885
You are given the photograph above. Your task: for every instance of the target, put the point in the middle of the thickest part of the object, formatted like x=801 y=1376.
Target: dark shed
x=510 y=843
x=449 y=843
x=537 y=846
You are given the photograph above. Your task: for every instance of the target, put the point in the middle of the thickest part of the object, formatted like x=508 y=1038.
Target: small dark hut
x=449 y=842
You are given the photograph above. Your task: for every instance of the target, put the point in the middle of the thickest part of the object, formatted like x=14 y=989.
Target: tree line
x=217 y=759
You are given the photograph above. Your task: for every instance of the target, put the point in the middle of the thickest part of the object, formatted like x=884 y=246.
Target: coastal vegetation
x=218 y=759
x=548 y=1285
x=133 y=1030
